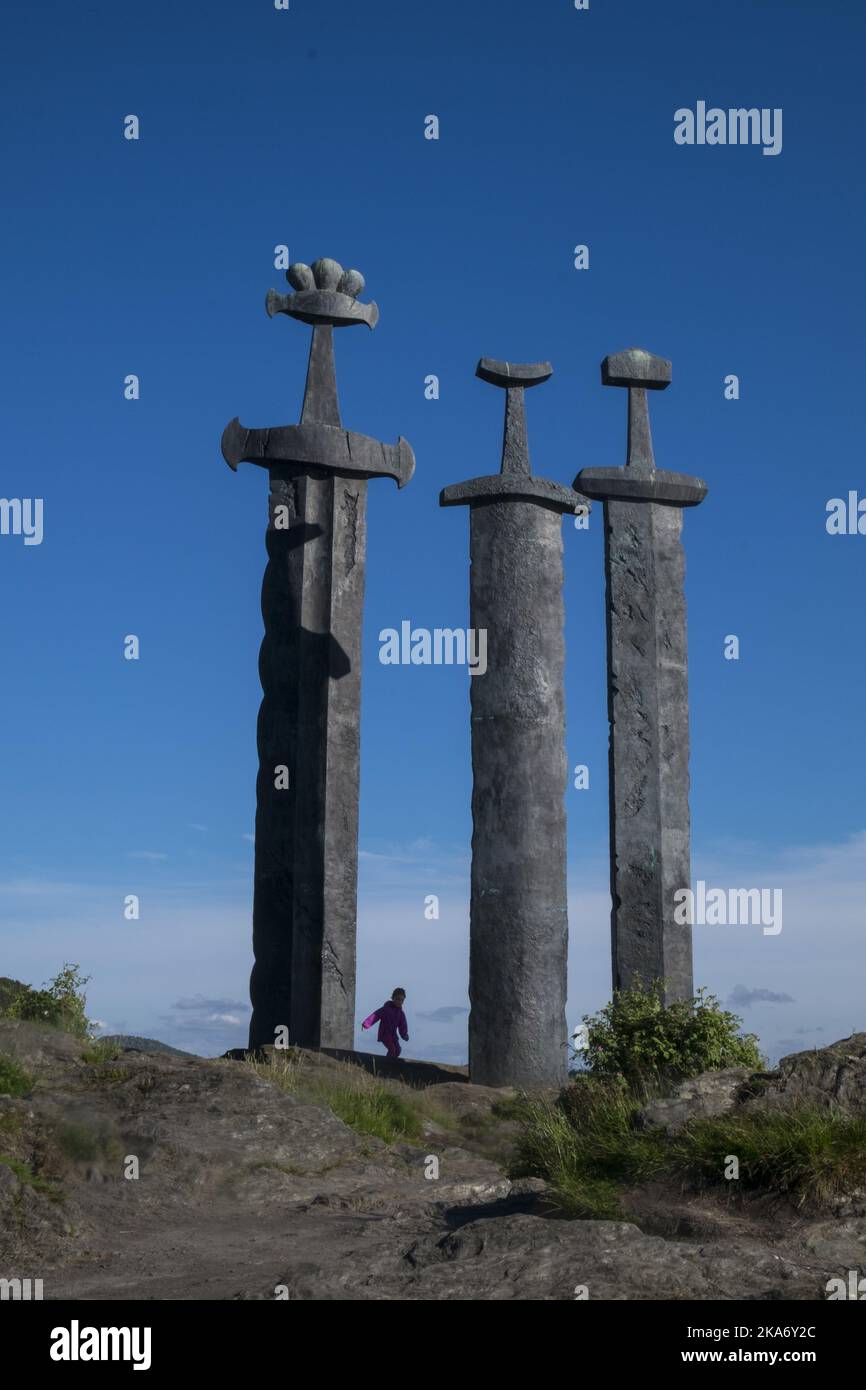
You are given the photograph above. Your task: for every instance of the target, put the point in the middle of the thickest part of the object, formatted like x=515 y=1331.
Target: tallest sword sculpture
x=306 y=857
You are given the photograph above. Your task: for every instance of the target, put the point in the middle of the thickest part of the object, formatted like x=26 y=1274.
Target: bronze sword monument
x=519 y=910
x=306 y=852
x=647 y=691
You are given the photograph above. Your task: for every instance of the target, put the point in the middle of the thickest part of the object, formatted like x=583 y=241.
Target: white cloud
x=41 y=888
x=192 y=943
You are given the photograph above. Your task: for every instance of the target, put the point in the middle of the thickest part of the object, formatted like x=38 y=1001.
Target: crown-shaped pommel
x=324 y=293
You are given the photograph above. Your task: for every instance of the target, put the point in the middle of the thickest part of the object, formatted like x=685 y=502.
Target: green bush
x=8 y=990
x=14 y=1081
x=637 y=1037
x=62 y=1003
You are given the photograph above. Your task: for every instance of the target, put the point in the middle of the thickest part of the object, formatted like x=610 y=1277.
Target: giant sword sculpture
x=306 y=852
x=518 y=912
x=647 y=691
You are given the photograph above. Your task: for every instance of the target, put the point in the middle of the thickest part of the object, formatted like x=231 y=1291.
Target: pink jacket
x=391 y=1021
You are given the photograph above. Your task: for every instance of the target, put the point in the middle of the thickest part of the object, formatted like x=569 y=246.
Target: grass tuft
x=82 y=1144
x=14 y=1080
x=386 y=1110
x=804 y=1152
x=375 y=1110
x=587 y=1145
x=588 y=1153
x=25 y=1175
x=98 y=1053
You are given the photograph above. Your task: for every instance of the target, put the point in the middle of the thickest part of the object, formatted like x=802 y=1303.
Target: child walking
x=391 y=1020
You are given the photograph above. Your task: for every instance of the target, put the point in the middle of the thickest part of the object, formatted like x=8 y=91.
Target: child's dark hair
x=398 y=991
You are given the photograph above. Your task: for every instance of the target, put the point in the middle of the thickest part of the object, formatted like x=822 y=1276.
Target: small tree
x=638 y=1036
x=62 y=1003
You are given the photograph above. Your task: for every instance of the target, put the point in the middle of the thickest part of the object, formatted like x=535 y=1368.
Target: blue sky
x=152 y=257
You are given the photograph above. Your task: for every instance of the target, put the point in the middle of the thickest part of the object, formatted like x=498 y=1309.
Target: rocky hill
x=248 y=1189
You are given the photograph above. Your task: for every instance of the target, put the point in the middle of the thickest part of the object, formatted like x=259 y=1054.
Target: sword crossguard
x=640 y=480
x=325 y=297
x=315 y=445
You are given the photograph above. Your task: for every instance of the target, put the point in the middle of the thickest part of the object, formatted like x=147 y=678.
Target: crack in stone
x=329 y=960
x=350 y=541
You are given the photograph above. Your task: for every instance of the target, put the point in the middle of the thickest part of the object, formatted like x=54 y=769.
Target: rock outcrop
x=247 y=1191
x=832 y=1078
x=829 y=1078
x=711 y=1093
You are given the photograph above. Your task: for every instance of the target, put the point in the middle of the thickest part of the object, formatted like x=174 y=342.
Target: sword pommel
x=324 y=293
x=513 y=373
x=636 y=367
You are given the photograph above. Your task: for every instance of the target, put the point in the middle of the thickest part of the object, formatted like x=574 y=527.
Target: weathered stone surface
x=131 y=1043
x=829 y=1078
x=244 y=1189
x=636 y=368
x=225 y=1157
x=306 y=866
x=519 y=925
x=468 y=1101
x=711 y=1093
x=353 y=454
x=36 y=1048
x=647 y=692
x=676 y=489
x=522 y=1257
x=832 y=1078
x=519 y=919
x=649 y=749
